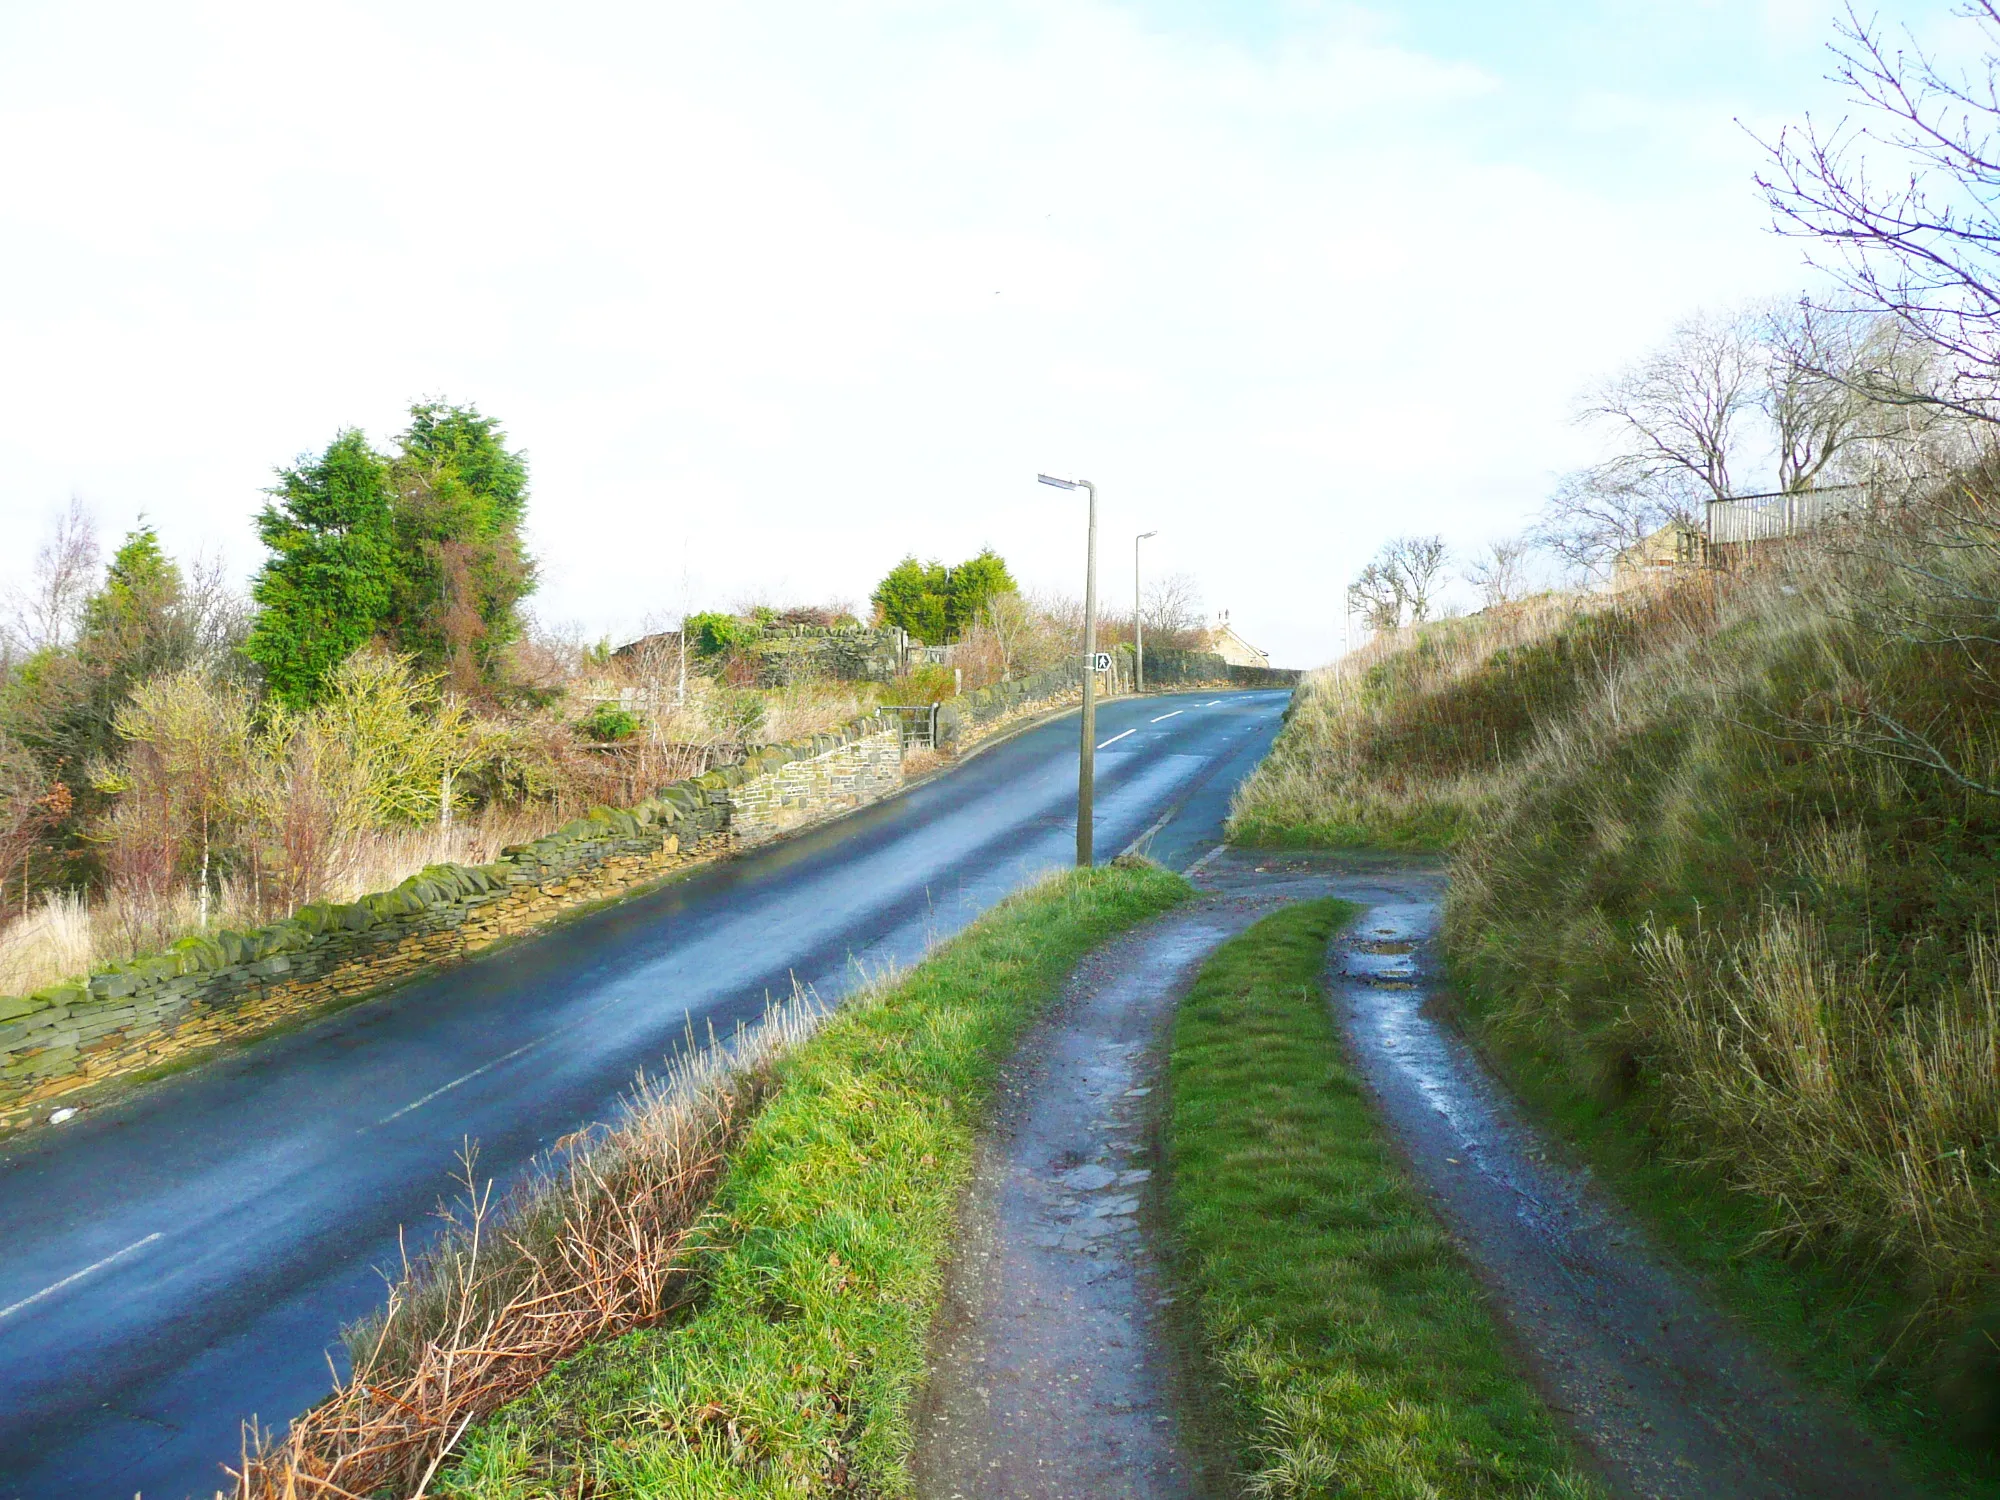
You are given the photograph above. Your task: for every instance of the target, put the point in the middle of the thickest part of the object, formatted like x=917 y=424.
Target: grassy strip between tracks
x=796 y=1371
x=1354 y=1351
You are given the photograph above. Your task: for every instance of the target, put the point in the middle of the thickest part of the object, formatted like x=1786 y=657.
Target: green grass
x=1691 y=765
x=797 y=1372
x=1355 y=1353
x=1827 y=1315
x=1430 y=828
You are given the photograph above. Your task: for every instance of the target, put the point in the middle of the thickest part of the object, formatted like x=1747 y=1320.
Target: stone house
x=1223 y=640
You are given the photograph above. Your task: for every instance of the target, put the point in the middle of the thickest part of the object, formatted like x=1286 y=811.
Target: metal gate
x=919 y=722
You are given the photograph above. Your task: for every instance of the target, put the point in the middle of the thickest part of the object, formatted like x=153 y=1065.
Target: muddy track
x=1054 y=1373
x=1668 y=1396
x=1057 y=1373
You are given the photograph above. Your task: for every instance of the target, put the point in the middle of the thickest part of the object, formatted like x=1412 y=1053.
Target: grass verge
x=593 y=1242
x=1354 y=1349
x=797 y=1371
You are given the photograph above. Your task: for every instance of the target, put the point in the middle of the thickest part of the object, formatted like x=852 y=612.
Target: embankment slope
x=1722 y=872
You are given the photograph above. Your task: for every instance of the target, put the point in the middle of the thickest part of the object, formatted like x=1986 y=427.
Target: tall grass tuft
x=1408 y=741
x=1858 y=1118
x=600 y=1239
x=67 y=934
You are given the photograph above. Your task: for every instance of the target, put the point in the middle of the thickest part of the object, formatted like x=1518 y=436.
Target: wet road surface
x=181 y=1260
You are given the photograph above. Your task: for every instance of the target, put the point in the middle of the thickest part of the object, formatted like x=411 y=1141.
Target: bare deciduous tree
x=1173 y=614
x=1500 y=571
x=219 y=614
x=1599 y=512
x=1374 y=596
x=1835 y=394
x=1675 y=412
x=1920 y=243
x=45 y=613
x=1016 y=634
x=1417 y=562
x=1809 y=388
x=1401 y=584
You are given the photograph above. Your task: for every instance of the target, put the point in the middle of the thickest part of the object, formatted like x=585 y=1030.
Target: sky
x=772 y=294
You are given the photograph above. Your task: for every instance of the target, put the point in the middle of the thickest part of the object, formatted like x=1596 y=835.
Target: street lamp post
x=1086 y=766
x=1138 y=624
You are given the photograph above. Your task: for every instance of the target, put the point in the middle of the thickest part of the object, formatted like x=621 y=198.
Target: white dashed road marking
x=447 y=1088
x=50 y=1291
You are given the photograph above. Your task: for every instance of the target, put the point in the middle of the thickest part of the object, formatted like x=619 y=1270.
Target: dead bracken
x=599 y=1242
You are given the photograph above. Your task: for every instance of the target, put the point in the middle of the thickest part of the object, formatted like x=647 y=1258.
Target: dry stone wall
x=842 y=653
x=230 y=986
x=1172 y=667
x=971 y=716
x=792 y=794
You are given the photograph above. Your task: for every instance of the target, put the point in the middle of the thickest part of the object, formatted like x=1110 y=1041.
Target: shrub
x=711 y=634
x=607 y=723
x=929 y=683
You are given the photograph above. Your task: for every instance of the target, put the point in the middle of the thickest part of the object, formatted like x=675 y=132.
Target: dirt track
x=1055 y=1376
x=1669 y=1397
x=1052 y=1375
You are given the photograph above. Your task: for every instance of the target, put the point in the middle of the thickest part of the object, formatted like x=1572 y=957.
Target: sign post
x=1086 y=758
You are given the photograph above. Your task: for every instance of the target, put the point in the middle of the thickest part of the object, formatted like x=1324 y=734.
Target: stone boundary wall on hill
x=793 y=794
x=974 y=716
x=971 y=716
x=1172 y=667
x=232 y=986
x=843 y=653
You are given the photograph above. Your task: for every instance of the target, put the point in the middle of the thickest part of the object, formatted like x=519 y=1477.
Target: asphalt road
x=182 y=1260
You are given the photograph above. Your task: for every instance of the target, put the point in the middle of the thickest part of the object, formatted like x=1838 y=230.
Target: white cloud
x=785 y=290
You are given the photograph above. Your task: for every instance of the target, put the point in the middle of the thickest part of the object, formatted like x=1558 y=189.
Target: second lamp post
x=1138 y=625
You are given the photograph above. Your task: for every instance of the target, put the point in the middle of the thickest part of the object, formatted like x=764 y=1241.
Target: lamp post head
x=1143 y=535
x=1061 y=484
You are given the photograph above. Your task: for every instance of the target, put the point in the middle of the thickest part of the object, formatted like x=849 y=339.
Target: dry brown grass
x=1858 y=1119
x=600 y=1240
x=68 y=934
x=1351 y=766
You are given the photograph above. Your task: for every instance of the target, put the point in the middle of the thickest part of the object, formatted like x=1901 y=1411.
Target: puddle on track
x=1670 y=1397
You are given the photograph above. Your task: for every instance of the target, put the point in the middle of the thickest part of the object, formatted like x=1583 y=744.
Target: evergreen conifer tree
x=328 y=585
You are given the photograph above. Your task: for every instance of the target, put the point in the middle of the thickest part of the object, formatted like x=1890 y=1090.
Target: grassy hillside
x=1403 y=743
x=1724 y=900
